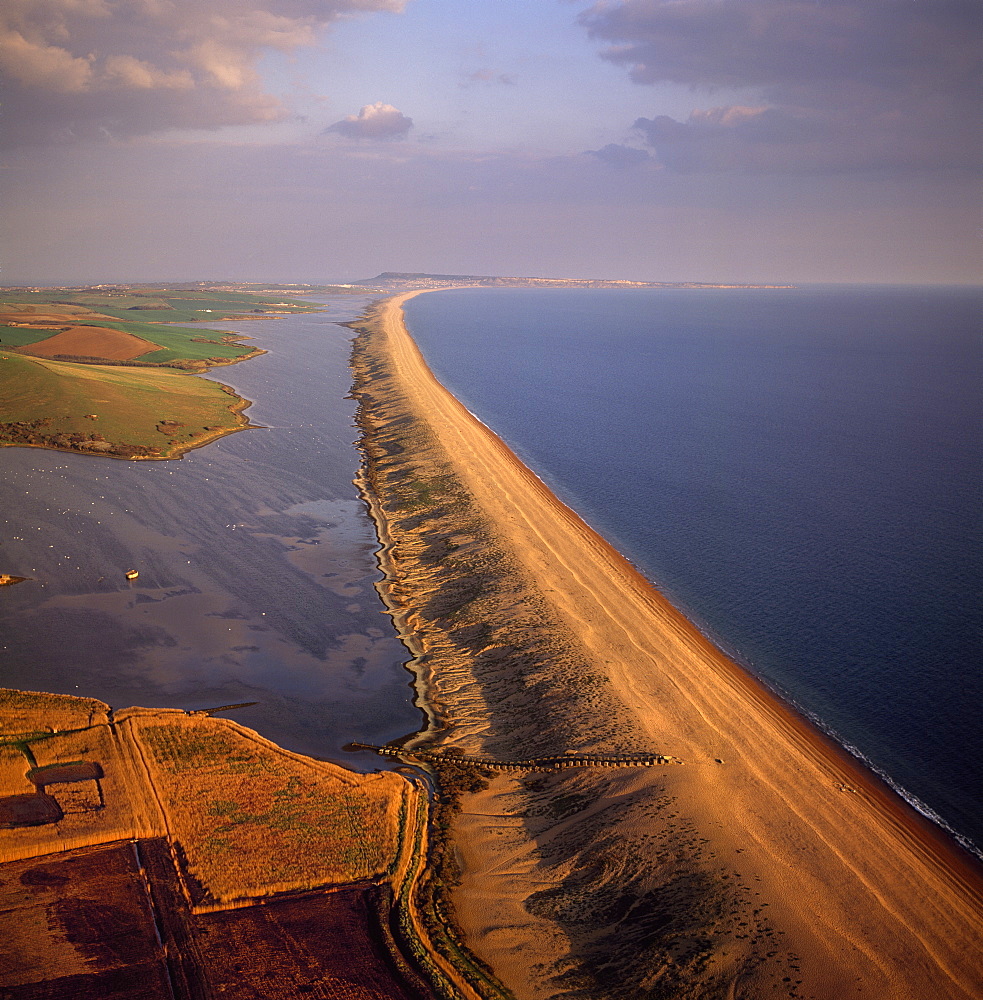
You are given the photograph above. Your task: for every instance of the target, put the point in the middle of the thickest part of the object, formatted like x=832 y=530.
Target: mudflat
x=769 y=864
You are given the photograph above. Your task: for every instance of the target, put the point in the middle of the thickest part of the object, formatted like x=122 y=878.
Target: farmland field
x=111 y=923
x=287 y=823
x=111 y=410
x=54 y=393
x=93 y=341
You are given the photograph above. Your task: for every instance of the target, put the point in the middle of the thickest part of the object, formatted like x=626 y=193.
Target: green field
x=111 y=410
x=128 y=409
x=162 y=305
x=19 y=336
x=178 y=343
x=149 y=314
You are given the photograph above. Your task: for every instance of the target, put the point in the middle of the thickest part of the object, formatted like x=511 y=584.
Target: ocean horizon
x=796 y=469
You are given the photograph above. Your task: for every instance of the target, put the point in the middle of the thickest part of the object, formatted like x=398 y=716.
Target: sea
x=797 y=469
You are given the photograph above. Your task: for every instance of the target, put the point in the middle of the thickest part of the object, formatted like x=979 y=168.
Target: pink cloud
x=87 y=67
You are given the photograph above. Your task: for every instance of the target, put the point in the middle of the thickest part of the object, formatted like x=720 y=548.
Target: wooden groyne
x=556 y=763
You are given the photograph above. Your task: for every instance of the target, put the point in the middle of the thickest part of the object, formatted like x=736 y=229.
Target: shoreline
x=830 y=810
x=150 y=804
x=109 y=349
x=882 y=783
x=236 y=408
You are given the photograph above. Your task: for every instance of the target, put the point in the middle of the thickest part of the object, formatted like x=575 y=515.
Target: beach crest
x=769 y=862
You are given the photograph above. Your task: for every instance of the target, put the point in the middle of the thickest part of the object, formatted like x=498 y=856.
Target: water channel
x=256 y=563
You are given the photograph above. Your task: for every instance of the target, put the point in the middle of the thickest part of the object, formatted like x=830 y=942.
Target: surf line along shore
x=769 y=864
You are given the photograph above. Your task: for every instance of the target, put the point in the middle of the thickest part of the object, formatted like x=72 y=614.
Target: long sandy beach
x=767 y=864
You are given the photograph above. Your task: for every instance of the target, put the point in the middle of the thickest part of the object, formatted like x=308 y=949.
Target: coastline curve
x=828 y=848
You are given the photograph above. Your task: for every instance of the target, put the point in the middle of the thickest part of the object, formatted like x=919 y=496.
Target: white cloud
x=140 y=75
x=374 y=121
x=46 y=67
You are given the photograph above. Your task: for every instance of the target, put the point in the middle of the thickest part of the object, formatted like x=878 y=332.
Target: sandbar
x=769 y=864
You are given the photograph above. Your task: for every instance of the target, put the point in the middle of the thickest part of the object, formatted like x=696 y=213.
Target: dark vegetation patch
x=29 y=809
x=114 y=925
x=321 y=946
x=39 y=433
x=79 y=925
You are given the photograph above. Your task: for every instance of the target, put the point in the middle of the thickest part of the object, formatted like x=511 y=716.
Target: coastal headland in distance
x=549 y=842
x=769 y=864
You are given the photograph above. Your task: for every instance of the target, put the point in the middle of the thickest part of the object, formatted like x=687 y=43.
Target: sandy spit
x=768 y=865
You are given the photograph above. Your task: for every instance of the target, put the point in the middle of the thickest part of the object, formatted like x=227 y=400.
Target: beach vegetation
x=286 y=824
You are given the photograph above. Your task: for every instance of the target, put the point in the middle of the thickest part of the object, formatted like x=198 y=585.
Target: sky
x=329 y=140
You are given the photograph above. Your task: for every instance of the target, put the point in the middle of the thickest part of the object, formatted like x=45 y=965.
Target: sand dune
x=770 y=864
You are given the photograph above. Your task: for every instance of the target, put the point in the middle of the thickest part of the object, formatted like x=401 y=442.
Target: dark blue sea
x=798 y=470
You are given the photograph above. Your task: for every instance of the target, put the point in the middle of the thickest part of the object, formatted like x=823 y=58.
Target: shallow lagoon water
x=256 y=560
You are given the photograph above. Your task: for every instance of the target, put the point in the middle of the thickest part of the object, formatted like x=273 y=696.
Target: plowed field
x=112 y=924
x=324 y=946
x=92 y=342
x=79 y=925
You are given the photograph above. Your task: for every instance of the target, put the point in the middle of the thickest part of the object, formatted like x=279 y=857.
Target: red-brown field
x=79 y=925
x=325 y=945
x=112 y=923
x=91 y=342
x=187 y=858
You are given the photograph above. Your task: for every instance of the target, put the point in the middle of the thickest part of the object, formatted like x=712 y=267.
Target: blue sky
x=488 y=74
x=315 y=140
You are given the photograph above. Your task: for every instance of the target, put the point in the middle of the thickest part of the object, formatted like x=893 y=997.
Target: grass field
x=249 y=818
x=252 y=818
x=139 y=411
x=111 y=410
x=161 y=305
x=21 y=336
x=184 y=343
x=26 y=711
x=176 y=342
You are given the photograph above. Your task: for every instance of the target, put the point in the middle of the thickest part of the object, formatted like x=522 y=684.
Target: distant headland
x=407 y=280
